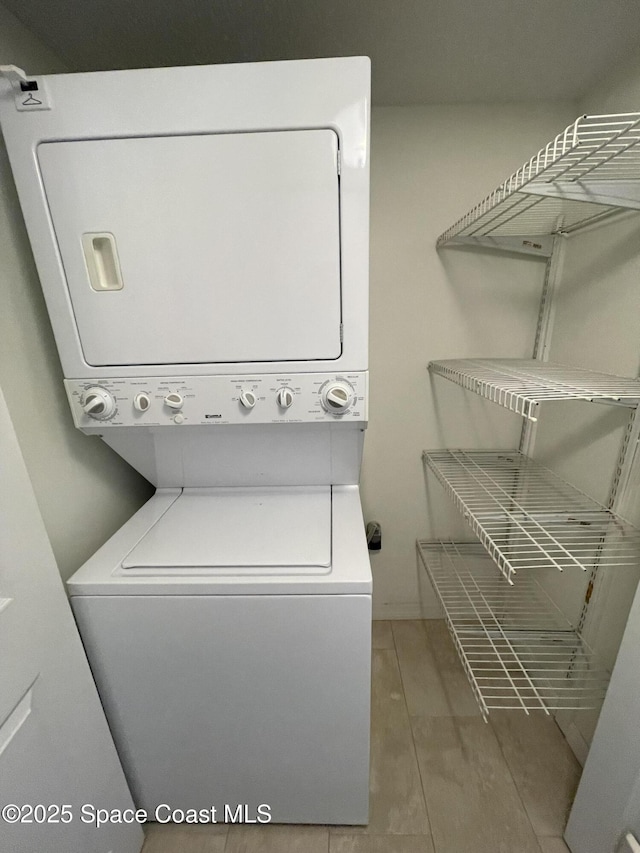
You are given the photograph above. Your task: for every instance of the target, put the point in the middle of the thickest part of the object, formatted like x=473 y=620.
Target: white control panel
x=212 y=400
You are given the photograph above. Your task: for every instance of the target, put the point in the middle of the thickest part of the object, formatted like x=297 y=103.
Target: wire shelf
x=527 y=517
x=586 y=173
x=521 y=385
x=517 y=648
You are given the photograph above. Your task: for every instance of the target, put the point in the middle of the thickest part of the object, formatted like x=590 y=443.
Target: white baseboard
x=574 y=738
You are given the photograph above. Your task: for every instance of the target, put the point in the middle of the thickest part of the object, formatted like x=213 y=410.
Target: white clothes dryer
x=201 y=235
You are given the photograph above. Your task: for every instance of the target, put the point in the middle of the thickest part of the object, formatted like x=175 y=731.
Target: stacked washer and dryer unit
x=202 y=239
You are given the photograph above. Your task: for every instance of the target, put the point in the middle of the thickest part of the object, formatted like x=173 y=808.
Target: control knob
x=337 y=397
x=141 y=402
x=174 y=401
x=247 y=399
x=98 y=403
x=284 y=397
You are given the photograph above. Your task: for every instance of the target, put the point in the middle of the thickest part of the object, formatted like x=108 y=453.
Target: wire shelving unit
x=517 y=648
x=521 y=385
x=587 y=173
x=527 y=517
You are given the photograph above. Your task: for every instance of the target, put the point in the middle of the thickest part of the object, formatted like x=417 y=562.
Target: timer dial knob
x=247 y=399
x=337 y=397
x=98 y=403
x=284 y=397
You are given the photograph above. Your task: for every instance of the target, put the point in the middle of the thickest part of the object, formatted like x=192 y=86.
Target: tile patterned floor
x=442 y=780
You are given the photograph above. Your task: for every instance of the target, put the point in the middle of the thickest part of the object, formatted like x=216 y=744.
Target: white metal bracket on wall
x=540 y=247
x=13 y=74
x=544 y=328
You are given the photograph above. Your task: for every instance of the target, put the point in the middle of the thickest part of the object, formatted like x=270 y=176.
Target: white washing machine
x=202 y=238
x=234 y=663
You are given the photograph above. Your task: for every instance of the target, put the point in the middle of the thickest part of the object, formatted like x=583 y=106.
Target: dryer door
x=200 y=249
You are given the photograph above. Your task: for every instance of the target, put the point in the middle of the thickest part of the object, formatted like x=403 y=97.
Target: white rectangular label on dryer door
x=228 y=246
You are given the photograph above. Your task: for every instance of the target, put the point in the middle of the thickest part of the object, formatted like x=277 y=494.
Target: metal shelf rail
x=527 y=517
x=517 y=648
x=521 y=385
x=587 y=173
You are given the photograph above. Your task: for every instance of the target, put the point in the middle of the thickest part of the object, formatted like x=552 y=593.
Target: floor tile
x=380 y=844
x=431 y=689
x=168 y=838
x=277 y=839
x=397 y=803
x=423 y=684
x=545 y=770
x=381 y=636
x=456 y=685
x=473 y=803
x=553 y=845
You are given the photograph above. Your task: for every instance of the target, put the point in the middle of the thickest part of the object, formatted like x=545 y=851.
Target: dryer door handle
x=101 y=257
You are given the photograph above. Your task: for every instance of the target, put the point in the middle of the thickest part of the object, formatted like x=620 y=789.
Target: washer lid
x=240 y=528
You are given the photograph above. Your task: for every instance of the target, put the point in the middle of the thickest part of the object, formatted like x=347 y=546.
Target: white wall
x=85 y=492
x=429 y=165
x=619 y=92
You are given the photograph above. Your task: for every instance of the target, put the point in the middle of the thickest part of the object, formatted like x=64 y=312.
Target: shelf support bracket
x=544 y=329
x=540 y=247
